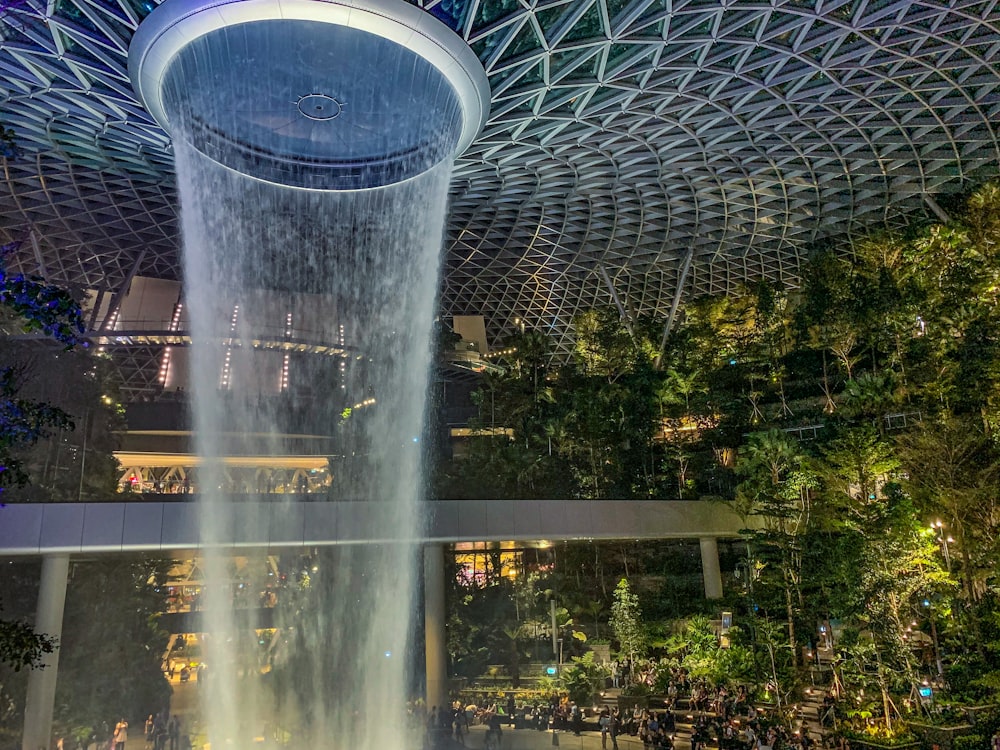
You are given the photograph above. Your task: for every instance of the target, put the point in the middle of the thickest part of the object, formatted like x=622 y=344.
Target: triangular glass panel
x=549 y=17
x=525 y=41
x=491 y=11
x=588 y=27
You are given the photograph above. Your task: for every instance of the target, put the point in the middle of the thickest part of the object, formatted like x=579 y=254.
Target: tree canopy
x=854 y=417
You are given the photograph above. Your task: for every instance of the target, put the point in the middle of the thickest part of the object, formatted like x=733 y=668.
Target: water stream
x=358 y=269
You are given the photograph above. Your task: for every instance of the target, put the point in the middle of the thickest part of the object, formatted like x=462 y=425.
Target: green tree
x=626 y=622
x=33 y=306
x=30 y=305
x=855 y=468
x=23 y=423
x=775 y=488
x=112 y=645
x=75 y=460
x=899 y=568
x=584 y=679
x=952 y=467
x=606 y=407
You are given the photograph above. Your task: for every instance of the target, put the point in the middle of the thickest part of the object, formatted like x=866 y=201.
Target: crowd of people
x=161 y=732
x=164 y=732
x=716 y=714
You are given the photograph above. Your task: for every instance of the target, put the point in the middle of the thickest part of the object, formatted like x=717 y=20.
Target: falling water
x=359 y=267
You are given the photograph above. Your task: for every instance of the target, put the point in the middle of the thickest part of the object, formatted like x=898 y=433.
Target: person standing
x=576 y=715
x=432 y=724
x=121 y=734
x=174 y=732
x=160 y=732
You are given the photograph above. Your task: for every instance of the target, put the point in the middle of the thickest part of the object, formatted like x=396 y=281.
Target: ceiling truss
x=627 y=140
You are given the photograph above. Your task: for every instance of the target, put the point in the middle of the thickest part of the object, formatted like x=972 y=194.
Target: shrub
x=969 y=742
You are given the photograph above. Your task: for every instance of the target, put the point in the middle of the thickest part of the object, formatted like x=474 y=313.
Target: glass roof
x=656 y=148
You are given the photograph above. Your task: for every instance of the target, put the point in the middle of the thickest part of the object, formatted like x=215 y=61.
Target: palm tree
x=595 y=608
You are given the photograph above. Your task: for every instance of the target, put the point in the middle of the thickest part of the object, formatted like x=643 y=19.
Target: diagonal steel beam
x=682 y=279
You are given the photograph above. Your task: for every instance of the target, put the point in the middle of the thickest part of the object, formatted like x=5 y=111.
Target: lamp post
x=750 y=569
x=555 y=629
x=943 y=539
x=934 y=640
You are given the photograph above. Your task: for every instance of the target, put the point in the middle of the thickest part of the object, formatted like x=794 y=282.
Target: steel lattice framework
x=651 y=150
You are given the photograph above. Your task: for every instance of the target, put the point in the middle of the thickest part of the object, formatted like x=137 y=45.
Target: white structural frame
x=175 y=24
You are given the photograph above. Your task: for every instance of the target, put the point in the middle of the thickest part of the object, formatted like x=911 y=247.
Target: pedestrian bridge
x=283 y=521
x=164 y=524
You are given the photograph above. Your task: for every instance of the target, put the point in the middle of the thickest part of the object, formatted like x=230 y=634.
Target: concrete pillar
x=710 y=571
x=41 y=697
x=435 y=640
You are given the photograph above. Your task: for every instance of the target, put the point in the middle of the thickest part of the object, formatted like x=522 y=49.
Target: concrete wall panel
x=103 y=525
x=62 y=527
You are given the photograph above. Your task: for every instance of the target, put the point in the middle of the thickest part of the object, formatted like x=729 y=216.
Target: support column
x=41 y=697
x=710 y=571
x=435 y=640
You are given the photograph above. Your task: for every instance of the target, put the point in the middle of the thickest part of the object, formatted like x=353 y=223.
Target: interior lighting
x=226 y=379
x=173 y=326
x=284 y=372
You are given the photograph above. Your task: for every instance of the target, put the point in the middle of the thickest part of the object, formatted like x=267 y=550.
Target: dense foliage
x=40 y=306
x=39 y=460
x=853 y=422
x=32 y=306
x=112 y=645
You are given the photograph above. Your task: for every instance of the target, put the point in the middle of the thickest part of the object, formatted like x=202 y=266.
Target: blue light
x=551 y=670
x=388 y=654
x=416 y=440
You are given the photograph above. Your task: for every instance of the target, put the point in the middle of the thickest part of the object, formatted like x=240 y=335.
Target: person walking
x=121 y=734
x=160 y=732
x=614 y=726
